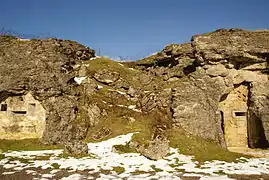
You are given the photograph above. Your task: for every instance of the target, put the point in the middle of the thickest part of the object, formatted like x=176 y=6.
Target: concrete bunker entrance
x=234 y=117
x=238 y=126
x=21 y=117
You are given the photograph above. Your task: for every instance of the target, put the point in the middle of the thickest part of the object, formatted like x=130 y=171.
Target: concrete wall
x=24 y=118
x=235 y=109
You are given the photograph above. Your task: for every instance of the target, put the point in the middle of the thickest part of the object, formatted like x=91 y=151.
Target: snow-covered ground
x=105 y=163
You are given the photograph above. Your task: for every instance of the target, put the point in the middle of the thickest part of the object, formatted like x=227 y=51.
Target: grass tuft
x=55 y=166
x=201 y=149
x=66 y=155
x=25 y=145
x=124 y=148
x=110 y=65
x=2 y=156
x=156 y=169
x=22 y=160
x=119 y=170
x=138 y=172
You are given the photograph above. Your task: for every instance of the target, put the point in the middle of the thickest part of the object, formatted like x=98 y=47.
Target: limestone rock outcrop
x=187 y=84
x=211 y=66
x=239 y=47
x=44 y=68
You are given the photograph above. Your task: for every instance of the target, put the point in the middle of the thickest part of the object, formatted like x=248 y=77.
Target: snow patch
x=79 y=80
x=106 y=158
x=133 y=107
x=8 y=173
x=104 y=102
x=99 y=87
x=73 y=177
x=76 y=66
x=48 y=175
x=21 y=39
x=120 y=92
x=96 y=57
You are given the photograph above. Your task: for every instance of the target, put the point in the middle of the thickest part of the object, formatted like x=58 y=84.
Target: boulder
x=107 y=77
x=76 y=147
x=156 y=149
x=217 y=70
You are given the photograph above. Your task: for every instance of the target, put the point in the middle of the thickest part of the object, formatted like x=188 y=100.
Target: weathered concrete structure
x=21 y=117
x=234 y=117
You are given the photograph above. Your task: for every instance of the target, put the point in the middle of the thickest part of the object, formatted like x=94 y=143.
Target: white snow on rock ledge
x=21 y=39
x=171 y=167
x=99 y=87
x=79 y=80
x=96 y=57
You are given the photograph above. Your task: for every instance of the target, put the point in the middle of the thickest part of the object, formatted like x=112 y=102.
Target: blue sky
x=134 y=28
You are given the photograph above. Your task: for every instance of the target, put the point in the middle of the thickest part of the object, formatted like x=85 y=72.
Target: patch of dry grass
x=25 y=145
x=201 y=149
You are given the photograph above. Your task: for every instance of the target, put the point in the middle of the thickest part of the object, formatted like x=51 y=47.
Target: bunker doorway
x=236 y=129
x=256 y=132
x=234 y=117
x=242 y=125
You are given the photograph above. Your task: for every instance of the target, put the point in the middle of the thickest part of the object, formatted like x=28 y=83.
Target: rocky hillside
x=215 y=64
x=171 y=97
x=44 y=68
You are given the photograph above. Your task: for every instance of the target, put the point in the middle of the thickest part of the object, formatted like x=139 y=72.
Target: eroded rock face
x=207 y=70
x=195 y=106
x=245 y=54
x=44 y=68
x=240 y=48
x=258 y=113
x=179 y=50
x=184 y=82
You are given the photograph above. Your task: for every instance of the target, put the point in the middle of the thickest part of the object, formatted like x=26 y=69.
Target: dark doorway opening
x=256 y=135
x=3 y=107
x=222 y=122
